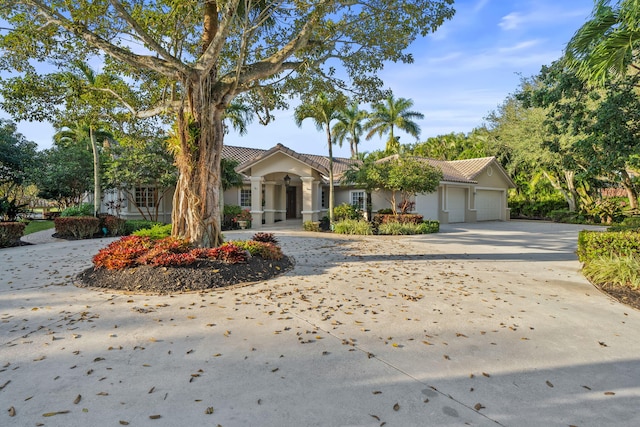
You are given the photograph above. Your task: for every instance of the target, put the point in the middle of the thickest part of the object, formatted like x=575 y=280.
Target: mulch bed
x=624 y=295
x=201 y=276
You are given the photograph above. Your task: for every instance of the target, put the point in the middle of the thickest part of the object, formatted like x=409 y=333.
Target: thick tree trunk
x=196 y=202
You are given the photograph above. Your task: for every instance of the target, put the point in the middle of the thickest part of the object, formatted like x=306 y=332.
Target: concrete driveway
x=481 y=324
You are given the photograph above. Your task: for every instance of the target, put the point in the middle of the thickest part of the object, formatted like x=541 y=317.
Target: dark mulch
x=625 y=295
x=201 y=276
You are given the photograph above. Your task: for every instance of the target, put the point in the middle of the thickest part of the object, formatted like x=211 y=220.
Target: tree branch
x=148 y=62
x=147 y=38
x=210 y=56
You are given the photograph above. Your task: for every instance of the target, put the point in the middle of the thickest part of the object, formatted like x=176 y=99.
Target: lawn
x=34 y=226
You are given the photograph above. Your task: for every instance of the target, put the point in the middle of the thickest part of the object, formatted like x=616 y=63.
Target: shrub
x=526 y=208
x=229 y=253
x=311 y=226
x=172 y=259
x=614 y=270
x=133 y=225
x=265 y=237
x=10 y=233
x=263 y=250
x=162 y=247
x=385 y=211
x=566 y=216
x=79 y=227
x=428 y=227
x=85 y=209
x=115 y=226
x=122 y=253
x=629 y=223
x=346 y=211
x=401 y=218
x=596 y=244
x=156 y=232
x=229 y=213
x=352 y=226
x=395 y=228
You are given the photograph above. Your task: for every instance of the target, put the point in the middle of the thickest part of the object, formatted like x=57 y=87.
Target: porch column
x=316 y=201
x=269 y=205
x=256 y=201
x=307 y=198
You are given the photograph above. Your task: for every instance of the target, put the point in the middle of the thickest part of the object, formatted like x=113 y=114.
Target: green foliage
x=352 y=226
x=156 y=232
x=397 y=228
x=10 y=209
x=350 y=126
x=133 y=225
x=346 y=211
x=566 y=216
x=614 y=270
x=629 y=223
x=77 y=227
x=595 y=244
x=17 y=163
x=311 y=226
x=35 y=226
x=391 y=114
x=10 y=233
x=85 y=209
x=265 y=250
x=428 y=227
x=535 y=209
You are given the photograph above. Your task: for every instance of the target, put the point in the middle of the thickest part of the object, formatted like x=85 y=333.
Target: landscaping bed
x=200 y=276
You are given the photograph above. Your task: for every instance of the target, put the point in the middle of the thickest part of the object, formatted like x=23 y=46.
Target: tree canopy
x=191 y=59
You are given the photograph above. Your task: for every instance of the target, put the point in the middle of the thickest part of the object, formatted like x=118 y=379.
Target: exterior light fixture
x=287 y=180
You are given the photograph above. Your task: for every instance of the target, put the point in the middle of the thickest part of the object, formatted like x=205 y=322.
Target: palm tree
x=88 y=133
x=349 y=127
x=323 y=110
x=239 y=116
x=390 y=114
x=607 y=45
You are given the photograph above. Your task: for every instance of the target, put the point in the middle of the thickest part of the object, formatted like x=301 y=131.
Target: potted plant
x=243 y=219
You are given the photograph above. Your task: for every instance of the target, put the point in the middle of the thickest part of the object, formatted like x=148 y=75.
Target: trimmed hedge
x=397 y=228
x=596 y=244
x=78 y=227
x=352 y=226
x=133 y=225
x=401 y=218
x=156 y=232
x=10 y=233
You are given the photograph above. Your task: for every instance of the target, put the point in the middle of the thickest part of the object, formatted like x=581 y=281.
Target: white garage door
x=489 y=205
x=455 y=204
x=427 y=205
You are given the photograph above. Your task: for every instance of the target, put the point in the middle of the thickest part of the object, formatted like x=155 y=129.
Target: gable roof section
x=471 y=168
x=449 y=173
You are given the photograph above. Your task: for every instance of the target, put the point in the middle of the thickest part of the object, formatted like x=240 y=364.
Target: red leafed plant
x=265 y=237
x=229 y=253
x=167 y=259
x=122 y=253
x=162 y=247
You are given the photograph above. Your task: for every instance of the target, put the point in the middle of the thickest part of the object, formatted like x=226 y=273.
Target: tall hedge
x=594 y=244
x=10 y=233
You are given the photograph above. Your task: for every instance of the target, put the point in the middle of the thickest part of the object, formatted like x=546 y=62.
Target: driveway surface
x=482 y=324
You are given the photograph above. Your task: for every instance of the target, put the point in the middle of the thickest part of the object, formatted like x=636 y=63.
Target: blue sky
x=460 y=74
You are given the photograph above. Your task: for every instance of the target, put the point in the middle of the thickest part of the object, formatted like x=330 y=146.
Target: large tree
x=322 y=111
x=393 y=114
x=191 y=59
x=17 y=159
x=350 y=126
x=606 y=46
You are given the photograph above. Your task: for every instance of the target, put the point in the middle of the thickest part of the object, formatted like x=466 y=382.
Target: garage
x=427 y=205
x=489 y=205
x=456 y=204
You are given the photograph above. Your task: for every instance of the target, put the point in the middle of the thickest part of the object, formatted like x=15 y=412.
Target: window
x=245 y=197
x=146 y=197
x=323 y=199
x=359 y=200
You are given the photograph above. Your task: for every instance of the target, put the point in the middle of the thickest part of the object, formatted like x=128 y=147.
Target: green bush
x=265 y=250
x=85 y=209
x=311 y=226
x=156 y=232
x=346 y=211
x=10 y=233
x=77 y=227
x=133 y=225
x=614 y=270
x=566 y=216
x=352 y=226
x=539 y=209
x=629 y=223
x=597 y=244
x=229 y=213
x=428 y=227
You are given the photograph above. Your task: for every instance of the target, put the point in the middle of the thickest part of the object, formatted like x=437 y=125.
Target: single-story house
x=281 y=184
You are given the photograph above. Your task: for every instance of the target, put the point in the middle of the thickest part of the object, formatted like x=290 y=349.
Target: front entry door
x=291 y=203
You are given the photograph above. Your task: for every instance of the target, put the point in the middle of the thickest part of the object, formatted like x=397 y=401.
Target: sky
x=461 y=73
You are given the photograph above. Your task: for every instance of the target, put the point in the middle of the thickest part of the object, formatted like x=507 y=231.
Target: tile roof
x=463 y=171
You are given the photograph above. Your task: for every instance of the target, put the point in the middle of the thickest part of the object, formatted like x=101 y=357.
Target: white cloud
x=519 y=46
x=511 y=21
